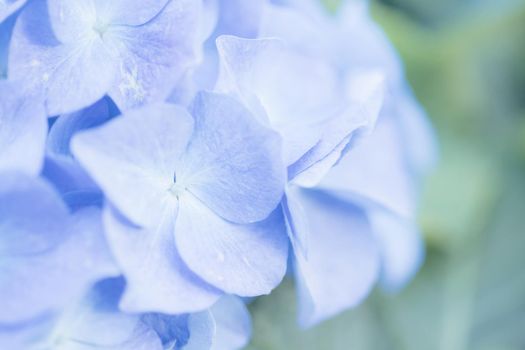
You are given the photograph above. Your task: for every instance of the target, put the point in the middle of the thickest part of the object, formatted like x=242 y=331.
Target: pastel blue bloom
x=200 y=189
x=48 y=257
x=326 y=62
x=75 y=52
x=23 y=129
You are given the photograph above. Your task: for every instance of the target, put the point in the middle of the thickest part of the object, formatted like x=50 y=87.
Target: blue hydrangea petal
x=202 y=328
x=70 y=20
x=233 y=164
x=133 y=158
x=365 y=99
x=421 y=145
x=372 y=176
x=154 y=272
x=32 y=214
x=23 y=130
x=239 y=18
x=254 y=69
x=7 y=8
x=63 y=129
x=343 y=261
x=247 y=260
x=187 y=331
x=37 y=281
x=95 y=322
x=401 y=247
x=55 y=69
x=134 y=12
x=296 y=223
x=233 y=324
x=156 y=55
x=26 y=335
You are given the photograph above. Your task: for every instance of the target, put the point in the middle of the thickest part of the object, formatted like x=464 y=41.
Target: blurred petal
x=157 y=279
x=254 y=69
x=400 y=245
x=365 y=94
x=233 y=164
x=133 y=158
x=246 y=260
x=233 y=324
x=296 y=223
x=240 y=18
x=8 y=7
x=201 y=327
x=376 y=172
x=342 y=263
x=37 y=281
x=23 y=130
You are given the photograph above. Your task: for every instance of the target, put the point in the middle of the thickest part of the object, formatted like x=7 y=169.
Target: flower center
x=178 y=187
x=100 y=28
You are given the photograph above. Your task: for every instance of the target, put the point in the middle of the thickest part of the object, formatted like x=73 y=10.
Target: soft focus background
x=466 y=62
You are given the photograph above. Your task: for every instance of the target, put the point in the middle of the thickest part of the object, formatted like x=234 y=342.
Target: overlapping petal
x=233 y=163
x=133 y=158
x=246 y=260
x=23 y=129
x=48 y=257
x=342 y=263
x=157 y=278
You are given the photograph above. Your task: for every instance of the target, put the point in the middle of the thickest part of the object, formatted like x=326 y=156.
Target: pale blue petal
x=254 y=69
x=133 y=158
x=233 y=164
x=296 y=223
x=365 y=98
x=8 y=7
x=26 y=334
x=421 y=144
x=401 y=248
x=95 y=322
x=201 y=327
x=132 y=12
x=63 y=129
x=32 y=214
x=54 y=69
x=187 y=331
x=155 y=56
x=68 y=177
x=44 y=280
x=240 y=18
x=375 y=172
x=246 y=260
x=70 y=20
x=342 y=263
x=233 y=324
x=157 y=279
x=23 y=130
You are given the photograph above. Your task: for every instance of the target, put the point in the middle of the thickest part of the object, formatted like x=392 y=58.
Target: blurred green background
x=466 y=62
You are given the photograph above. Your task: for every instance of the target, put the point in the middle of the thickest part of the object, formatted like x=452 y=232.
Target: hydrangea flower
x=75 y=52
x=200 y=189
x=160 y=159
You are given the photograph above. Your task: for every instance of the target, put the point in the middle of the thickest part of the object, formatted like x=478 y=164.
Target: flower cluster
x=163 y=161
